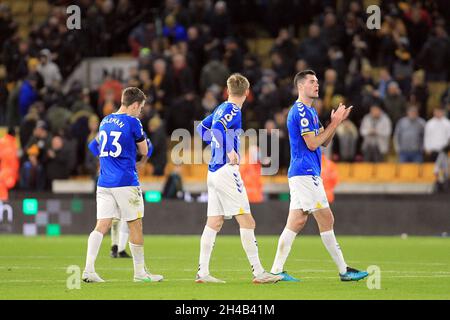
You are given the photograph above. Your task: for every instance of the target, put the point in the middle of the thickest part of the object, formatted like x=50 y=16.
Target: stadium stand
x=268 y=51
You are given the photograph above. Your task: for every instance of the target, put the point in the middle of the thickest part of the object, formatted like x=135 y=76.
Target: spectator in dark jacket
x=419 y=93
x=219 y=21
x=214 y=72
x=182 y=76
x=3 y=96
x=32 y=173
x=435 y=56
x=314 y=51
x=162 y=85
x=285 y=46
x=158 y=138
x=58 y=161
x=233 y=56
x=418 y=29
x=394 y=102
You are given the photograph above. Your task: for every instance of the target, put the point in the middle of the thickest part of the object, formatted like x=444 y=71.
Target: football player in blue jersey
x=119 y=228
x=119 y=195
x=227 y=196
x=306 y=136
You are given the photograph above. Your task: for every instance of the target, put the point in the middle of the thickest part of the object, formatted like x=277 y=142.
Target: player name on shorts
x=113 y=120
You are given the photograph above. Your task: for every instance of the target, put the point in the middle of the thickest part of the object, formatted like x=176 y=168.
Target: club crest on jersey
x=304 y=122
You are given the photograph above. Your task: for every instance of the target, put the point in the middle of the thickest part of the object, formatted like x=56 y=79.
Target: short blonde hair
x=237 y=85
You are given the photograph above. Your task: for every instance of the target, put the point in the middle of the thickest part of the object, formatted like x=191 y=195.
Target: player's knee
x=327 y=224
x=216 y=225
x=103 y=226
x=135 y=225
x=247 y=222
x=330 y=221
x=250 y=224
x=298 y=223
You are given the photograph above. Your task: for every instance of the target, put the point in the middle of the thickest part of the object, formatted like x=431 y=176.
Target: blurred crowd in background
x=187 y=49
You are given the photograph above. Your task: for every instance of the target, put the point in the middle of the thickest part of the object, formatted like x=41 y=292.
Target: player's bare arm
x=142 y=148
x=324 y=138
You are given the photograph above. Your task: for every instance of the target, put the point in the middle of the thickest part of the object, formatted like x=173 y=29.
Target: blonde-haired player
x=227 y=196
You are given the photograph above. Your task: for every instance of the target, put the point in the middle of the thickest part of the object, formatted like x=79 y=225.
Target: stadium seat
x=261 y=47
x=40 y=8
x=408 y=172
x=385 y=172
x=344 y=171
x=362 y=172
x=427 y=172
x=20 y=7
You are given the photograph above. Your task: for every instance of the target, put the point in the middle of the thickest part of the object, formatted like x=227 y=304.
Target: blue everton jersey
x=222 y=130
x=118 y=135
x=303 y=120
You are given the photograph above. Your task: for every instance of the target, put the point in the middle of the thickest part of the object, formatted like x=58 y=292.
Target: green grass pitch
x=412 y=268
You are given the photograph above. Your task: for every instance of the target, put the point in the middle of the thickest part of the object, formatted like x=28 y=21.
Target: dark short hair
x=131 y=95
x=302 y=75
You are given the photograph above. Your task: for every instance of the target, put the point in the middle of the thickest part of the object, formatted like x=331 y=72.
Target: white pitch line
x=192 y=279
x=84 y=257
x=379 y=262
x=222 y=270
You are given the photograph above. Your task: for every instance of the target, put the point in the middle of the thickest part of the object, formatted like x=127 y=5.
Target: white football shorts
x=307 y=193
x=124 y=203
x=227 y=195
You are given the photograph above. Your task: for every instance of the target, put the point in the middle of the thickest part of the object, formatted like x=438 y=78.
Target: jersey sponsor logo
x=304 y=122
x=229 y=116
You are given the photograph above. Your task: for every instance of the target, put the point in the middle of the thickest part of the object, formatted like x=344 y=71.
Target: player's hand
x=234 y=157
x=347 y=112
x=340 y=114
x=141 y=161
